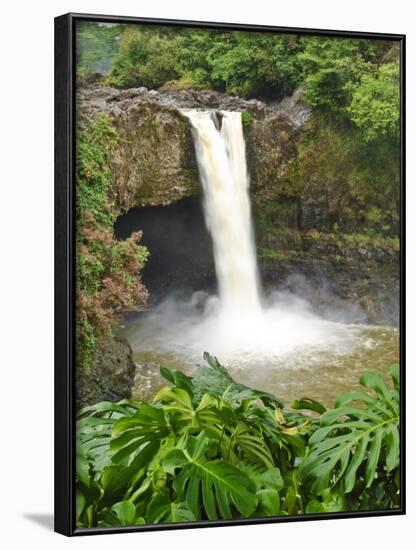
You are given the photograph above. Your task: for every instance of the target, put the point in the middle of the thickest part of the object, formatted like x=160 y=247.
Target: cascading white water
x=222 y=165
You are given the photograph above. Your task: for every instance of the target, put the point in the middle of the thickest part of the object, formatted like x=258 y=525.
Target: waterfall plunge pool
x=287 y=350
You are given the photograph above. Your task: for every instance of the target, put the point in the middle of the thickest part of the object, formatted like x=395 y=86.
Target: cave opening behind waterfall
x=181 y=258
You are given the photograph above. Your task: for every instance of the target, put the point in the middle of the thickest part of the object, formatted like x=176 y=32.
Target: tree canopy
x=355 y=80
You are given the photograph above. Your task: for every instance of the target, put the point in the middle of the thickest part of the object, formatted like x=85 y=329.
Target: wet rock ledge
x=154 y=161
x=112 y=376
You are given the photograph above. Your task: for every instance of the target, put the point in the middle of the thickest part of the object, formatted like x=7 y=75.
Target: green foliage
x=146 y=57
x=255 y=64
x=94 y=147
x=329 y=65
x=356 y=80
x=209 y=487
x=107 y=270
x=242 y=63
x=246 y=118
x=375 y=105
x=359 y=178
x=96 y=47
x=352 y=437
x=208 y=447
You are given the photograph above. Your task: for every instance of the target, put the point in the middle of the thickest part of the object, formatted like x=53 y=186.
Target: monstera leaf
x=214 y=379
x=178 y=379
x=352 y=437
x=94 y=427
x=247 y=441
x=185 y=415
x=237 y=437
x=133 y=443
x=162 y=510
x=133 y=435
x=211 y=485
x=276 y=430
x=268 y=483
x=121 y=513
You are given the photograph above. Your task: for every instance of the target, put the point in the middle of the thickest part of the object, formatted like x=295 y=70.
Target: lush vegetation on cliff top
x=207 y=447
x=351 y=146
x=351 y=79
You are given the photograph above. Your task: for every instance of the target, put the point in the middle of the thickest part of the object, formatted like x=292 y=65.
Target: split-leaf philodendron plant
x=208 y=448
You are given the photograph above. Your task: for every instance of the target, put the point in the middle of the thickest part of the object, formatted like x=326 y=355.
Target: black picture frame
x=65 y=271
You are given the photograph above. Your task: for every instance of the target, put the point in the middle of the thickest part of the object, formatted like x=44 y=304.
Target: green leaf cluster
x=207 y=447
x=96 y=48
x=359 y=436
x=375 y=103
x=248 y=64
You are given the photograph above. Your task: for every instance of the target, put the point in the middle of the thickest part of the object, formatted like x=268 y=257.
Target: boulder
x=111 y=377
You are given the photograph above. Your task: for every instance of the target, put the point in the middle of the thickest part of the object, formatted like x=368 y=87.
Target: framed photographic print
x=229 y=274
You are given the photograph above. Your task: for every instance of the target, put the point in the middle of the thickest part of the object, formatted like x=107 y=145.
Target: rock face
x=271 y=144
x=361 y=281
x=112 y=376
x=154 y=162
x=294 y=107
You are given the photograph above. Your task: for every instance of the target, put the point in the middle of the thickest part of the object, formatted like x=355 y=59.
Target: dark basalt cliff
x=154 y=161
x=111 y=377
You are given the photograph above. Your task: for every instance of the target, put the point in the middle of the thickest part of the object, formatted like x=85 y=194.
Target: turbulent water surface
x=292 y=353
x=277 y=342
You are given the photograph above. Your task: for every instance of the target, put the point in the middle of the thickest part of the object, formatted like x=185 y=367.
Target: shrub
x=375 y=105
x=246 y=118
x=107 y=270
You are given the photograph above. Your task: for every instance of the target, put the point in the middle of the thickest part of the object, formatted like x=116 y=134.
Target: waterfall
x=222 y=165
x=240 y=325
